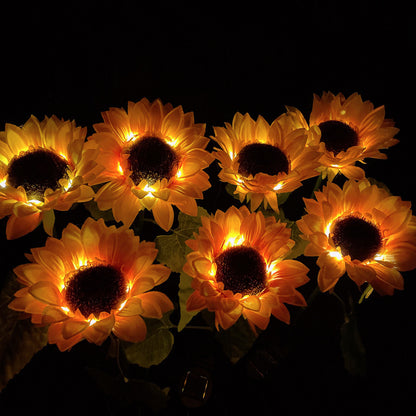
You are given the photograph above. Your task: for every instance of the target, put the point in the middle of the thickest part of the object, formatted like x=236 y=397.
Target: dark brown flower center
x=95 y=289
x=356 y=237
x=242 y=270
x=261 y=157
x=152 y=159
x=337 y=136
x=37 y=170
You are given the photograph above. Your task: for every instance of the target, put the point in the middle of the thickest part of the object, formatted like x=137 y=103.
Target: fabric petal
x=331 y=269
x=46 y=292
x=130 y=328
x=19 y=226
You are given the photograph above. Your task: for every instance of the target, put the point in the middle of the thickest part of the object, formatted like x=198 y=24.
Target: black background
x=76 y=60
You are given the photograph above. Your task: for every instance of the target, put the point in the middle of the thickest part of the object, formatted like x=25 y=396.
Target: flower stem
x=115 y=345
x=366 y=293
x=317 y=185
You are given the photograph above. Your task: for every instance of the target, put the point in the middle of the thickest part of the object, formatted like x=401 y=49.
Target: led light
x=131 y=137
x=278 y=186
x=233 y=240
x=122 y=305
x=172 y=142
x=335 y=254
x=69 y=185
x=149 y=191
x=34 y=202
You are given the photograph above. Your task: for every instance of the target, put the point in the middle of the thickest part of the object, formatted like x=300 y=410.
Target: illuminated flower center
x=37 y=170
x=260 y=157
x=242 y=270
x=337 y=136
x=357 y=238
x=152 y=159
x=95 y=289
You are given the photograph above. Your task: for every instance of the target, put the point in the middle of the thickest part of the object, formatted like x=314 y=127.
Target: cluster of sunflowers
x=99 y=279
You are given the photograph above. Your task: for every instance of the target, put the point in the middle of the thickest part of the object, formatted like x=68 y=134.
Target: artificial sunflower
x=152 y=157
x=362 y=230
x=238 y=268
x=91 y=282
x=264 y=160
x=41 y=169
x=346 y=131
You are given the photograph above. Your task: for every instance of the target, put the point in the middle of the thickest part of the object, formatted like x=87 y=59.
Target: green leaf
x=49 y=221
x=236 y=341
x=20 y=340
x=129 y=393
x=352 y=347
x=185 y=290
x=282 y=198
x=300 y=244
x=156 y=347
x=172 y=247
x=230 y=189
x=96 y=213
x=379 y=184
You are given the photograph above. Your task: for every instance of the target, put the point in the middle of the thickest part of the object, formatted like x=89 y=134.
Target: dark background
x=75 y=61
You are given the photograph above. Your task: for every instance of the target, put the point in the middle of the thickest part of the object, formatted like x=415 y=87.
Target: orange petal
x=29 y=273
x=331 y=269
x=55 y=337
x=359 y=273
x=257 y=319
x=155 y=304
x=158 y=273
x=52 y=314
x=19 y=226
x=281 y=312
x=251 y=302
x=163 y=214
x=100 y=330
x=224 y=319
x=132 y=307
x=72 y=327
x=130 y=328
x=46 y=292
x=389 y=275
x=143 y=284
x=195 y=302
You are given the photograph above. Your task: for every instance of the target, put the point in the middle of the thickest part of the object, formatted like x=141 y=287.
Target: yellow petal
x=163 y=214
x=130 y=328
x=46 y=292
x=251 y=302
x=19 y=226
x=72 y=327
x=331 y=269
x=132 y=307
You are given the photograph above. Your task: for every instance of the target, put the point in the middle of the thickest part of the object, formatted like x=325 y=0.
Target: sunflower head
x=93 y=281
x=153 y=155
x=41 y=169
x=262 y=160
x=360 y=230
x=348 y=130
x=238 y=268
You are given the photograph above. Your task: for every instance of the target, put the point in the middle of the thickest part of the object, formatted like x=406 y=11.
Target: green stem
x=116 y=345
x=366 y=293
x=317 y=185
